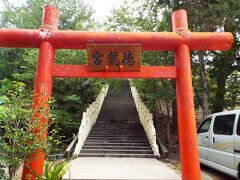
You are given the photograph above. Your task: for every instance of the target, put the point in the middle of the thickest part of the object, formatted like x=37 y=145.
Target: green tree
x=213 y=16
x=232 y=95
x=18 y=137
x=20 y=64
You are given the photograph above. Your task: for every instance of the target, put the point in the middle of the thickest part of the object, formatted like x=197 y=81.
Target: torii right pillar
x=185 y=102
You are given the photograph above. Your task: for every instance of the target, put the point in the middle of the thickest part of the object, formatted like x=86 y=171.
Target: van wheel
x=238 y=171
x=202 y=166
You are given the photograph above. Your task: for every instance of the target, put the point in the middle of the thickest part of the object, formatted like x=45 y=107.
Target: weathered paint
x=42 y=92
x=185 y=104
x=81 y=71
x=160 y=41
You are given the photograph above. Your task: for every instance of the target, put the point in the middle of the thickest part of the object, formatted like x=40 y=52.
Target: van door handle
x=206 y=137
x=236 y=150
x=213 y=140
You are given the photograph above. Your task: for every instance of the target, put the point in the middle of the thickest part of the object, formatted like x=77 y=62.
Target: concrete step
x=146 y=147
x=118 y=135
x=131 y=116
x=118 y=123
x=118 y=127
x=128 y=121
x=117 y=155
x=121 y=130
x=87 y=143
x=116 y=141
x=117 y=131
x=113 y=133
x=117 y=151
x=116 y=138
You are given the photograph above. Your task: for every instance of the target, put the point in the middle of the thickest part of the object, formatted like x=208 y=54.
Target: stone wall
x=146 y=119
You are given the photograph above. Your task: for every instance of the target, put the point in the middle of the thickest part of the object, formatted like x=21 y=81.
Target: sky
x=103 y=7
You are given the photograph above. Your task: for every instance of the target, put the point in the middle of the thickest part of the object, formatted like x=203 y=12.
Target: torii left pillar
x=43 y=86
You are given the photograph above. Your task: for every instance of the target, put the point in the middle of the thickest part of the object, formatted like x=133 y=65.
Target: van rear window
x=223 y=125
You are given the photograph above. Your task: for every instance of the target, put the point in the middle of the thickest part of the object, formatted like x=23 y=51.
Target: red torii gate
x=181 y=41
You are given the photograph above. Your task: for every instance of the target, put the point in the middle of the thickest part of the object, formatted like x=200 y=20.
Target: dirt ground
x=206 y=172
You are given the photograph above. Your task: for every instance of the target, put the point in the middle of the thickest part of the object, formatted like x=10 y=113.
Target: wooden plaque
x=114 y=57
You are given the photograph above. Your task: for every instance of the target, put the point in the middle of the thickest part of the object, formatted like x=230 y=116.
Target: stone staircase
x=118 y=132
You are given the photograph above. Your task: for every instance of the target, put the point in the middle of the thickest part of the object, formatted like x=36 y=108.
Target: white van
x=219 y=142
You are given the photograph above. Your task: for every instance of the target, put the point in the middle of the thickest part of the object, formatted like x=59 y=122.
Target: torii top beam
x=162 y=41
x=68 y=39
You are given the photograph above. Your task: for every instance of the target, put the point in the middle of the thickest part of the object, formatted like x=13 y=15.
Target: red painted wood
x=50 y=17
x=162 y=41
x=42 y=93
x=185 y=105
x=81 y=71
x=19 y=38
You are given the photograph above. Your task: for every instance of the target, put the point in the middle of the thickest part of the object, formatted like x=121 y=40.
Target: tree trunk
x=168 y=122
x=160 y=107
x=12 y=172
x=155 y=123
x=174 y=126
x=223 y=70
x=219 y=101
x=203 y=86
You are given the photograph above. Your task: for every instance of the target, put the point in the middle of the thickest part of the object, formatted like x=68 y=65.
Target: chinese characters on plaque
x=113 y=57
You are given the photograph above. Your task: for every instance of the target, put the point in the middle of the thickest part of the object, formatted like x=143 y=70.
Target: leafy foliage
x=72 y=95
x=213 y=16
x=2 y=172
x=54 y=170
x=18 y=126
